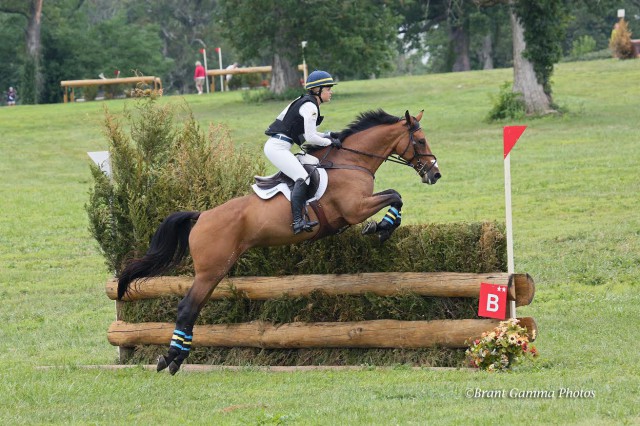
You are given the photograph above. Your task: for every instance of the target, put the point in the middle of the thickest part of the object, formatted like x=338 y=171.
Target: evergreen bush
x=159 y=167
x=620 y=42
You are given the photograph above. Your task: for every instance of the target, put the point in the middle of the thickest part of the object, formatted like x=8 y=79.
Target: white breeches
x=280 y=155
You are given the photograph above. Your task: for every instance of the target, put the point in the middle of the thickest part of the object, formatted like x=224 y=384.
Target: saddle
x=267 y=187
x=269 y=182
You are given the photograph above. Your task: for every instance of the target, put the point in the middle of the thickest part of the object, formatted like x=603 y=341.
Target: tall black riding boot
x=298 y=199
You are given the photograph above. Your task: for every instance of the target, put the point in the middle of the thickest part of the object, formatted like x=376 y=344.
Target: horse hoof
x=369 y=228
x=173 y=368
x=384 y=236
x=162 y=363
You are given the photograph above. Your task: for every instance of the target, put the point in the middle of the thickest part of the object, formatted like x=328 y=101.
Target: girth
x=326 y=229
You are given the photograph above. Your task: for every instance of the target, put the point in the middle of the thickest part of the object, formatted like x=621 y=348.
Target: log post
x=124 y=352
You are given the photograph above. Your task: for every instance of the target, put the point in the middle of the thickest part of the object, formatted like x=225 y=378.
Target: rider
x=297 y=124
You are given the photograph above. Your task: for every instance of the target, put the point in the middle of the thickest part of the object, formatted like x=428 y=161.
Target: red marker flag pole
x=510 y=136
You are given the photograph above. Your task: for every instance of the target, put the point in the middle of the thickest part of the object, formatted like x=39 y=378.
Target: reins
x=419 y=167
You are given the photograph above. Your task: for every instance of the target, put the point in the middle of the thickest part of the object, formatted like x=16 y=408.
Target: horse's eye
x=422 y=141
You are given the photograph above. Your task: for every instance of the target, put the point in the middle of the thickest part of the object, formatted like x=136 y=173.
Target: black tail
x=168 y=246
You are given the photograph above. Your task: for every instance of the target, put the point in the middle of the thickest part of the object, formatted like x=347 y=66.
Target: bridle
x=420 y=167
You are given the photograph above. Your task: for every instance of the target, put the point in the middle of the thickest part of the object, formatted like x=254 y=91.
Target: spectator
x=11 y=96
x=199 y=76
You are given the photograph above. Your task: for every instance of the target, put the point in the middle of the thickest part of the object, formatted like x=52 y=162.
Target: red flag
x=493 y=301
x=217 y=49
x=201 y=50
x=510 y=136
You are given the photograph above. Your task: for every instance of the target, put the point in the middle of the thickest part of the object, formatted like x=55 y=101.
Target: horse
x=216 y=238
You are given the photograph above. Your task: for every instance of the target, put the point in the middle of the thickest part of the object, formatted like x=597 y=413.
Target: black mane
x=367 y=120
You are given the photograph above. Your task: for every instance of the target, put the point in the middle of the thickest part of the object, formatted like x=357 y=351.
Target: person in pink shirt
x=199 y=76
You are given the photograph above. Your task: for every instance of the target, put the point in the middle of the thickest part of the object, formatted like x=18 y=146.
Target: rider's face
x=326 y=94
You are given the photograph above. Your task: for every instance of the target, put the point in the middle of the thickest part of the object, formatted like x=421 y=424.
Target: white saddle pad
x=283 y=188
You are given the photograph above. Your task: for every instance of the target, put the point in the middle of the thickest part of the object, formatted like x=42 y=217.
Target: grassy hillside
x=576 y=226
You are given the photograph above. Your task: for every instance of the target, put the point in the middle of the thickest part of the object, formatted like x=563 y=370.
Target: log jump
x=70 y=85
x=380 y=333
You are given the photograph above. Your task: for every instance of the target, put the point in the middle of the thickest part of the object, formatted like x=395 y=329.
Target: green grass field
x=576 y=227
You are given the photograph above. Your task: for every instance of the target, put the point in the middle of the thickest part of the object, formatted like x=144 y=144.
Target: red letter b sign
x=493 y=301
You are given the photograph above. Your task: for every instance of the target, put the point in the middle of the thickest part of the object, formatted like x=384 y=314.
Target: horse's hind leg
x=215 y=243
x=188 y=310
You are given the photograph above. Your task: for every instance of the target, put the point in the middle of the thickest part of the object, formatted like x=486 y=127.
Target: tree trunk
x=31 y=84
x=524 y=77
x=486 y=54
x=33 y=53
x=460 y=42
x=283 y=74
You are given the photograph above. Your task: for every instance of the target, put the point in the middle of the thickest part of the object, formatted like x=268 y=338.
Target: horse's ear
x=407 y=117
x=419 y=116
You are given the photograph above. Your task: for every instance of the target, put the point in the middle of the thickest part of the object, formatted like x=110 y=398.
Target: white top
x=309 y=113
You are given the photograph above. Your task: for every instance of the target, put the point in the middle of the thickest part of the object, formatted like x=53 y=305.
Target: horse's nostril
x=437 y=176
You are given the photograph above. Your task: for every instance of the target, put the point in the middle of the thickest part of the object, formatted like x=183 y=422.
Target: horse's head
x=402 y=140
x=416 y=152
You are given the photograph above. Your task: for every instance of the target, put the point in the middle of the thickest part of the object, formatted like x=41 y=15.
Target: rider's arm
x=309 y=113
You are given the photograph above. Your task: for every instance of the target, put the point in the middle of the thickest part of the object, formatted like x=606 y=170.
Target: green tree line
x=47 y=41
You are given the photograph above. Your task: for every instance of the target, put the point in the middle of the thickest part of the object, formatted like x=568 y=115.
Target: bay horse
x=216 y=238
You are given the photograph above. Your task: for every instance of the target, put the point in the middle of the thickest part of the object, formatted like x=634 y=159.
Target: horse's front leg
x=391 y=220
x=372 y=205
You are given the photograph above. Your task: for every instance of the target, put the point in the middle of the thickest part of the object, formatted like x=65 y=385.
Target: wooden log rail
x=247 y=70
x=72 y=84
x=360 y=334
x=521 y=287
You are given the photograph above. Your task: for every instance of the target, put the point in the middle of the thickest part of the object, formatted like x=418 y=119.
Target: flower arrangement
x=502 y=348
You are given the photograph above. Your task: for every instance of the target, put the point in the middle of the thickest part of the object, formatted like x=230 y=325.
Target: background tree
x=181 y=26
x=537 y=29
x=352 y=38
x=73 y=48
x=32 y=11
x=456 y=35
x=11 y=52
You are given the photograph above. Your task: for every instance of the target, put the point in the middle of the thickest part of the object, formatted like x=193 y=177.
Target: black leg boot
x=386 y=226
x=298 y=199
